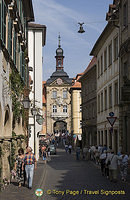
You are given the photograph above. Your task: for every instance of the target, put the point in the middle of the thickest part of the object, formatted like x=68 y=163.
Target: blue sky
x=63 y=16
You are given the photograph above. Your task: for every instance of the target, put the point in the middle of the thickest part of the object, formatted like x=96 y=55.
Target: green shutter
x=10 y=36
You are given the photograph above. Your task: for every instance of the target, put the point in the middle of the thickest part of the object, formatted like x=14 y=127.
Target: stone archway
x=60 y=126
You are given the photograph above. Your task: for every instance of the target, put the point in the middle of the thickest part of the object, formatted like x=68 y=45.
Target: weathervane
x=59 y=41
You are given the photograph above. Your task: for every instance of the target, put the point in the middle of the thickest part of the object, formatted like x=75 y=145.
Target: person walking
x=70 y=148
x=44 y=154
x=18 y=167
x=112 y=162
x=102 y=160
x=30 y=163
x=77 y=153
x=66 y=147
x=123 y=166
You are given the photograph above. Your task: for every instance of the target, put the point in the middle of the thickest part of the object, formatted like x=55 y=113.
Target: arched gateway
x=60 y=126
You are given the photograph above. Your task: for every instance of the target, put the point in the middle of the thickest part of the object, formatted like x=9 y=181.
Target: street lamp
x=26 y=103
x=81 y=30
x=34 y=111
x=39 y=119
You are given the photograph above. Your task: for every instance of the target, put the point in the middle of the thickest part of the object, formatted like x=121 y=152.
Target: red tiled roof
x=75 y=82
x=91 y=64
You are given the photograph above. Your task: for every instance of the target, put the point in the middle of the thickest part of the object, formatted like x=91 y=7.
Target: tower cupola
x=59 y=56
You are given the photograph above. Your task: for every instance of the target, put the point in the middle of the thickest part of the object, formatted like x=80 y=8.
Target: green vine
x=13 y=134
x=17 y=88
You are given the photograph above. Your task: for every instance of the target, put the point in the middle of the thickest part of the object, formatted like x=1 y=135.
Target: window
x=125 y=15
x=80 y=108
x=101 y=101
x=3 y=13
x=110 y=96
x=54 y=108
x=98 y=68
x=14 y=47
x=10 y=36
x=80 y=123
x=80 y=94
x=105 y=59
x=105 y=98
x=54 y=94
x=125 y=69
x=110 y=54
x=101 y=64
x=115 y=48
x=65 y=109
x=116 y=93
x=64 y=94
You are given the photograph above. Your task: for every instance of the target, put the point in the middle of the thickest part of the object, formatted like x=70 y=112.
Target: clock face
x=59 y=81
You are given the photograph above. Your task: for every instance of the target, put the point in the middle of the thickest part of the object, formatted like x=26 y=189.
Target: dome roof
x=59 y=51
x=59 y=74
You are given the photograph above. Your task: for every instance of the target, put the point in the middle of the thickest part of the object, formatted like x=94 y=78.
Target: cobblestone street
x=65 y=178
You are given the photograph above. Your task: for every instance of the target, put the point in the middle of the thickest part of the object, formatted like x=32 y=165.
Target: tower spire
x=59 y=41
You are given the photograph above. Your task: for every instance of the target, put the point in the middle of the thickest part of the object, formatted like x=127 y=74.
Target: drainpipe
x=34 y=91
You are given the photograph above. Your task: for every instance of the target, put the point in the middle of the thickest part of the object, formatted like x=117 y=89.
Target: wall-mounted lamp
x=26 y=103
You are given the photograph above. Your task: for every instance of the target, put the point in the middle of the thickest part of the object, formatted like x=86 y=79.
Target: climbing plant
x=17 y=87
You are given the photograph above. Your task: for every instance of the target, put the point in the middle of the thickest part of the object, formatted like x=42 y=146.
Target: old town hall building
x=58 y=105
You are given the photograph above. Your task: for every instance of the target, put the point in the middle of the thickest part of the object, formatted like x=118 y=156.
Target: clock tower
x=58 y=97
x=59 y=57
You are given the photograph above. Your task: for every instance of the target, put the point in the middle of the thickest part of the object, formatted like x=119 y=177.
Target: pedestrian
x=70 y=148
x=30 y=163
x=77 y=152
x=85 y=149
x=102 y=160
x=123 y=166
x=112 y=162
x=66 y=147
x=106 y=165
x=48 y=154
x=97 y=156
x=44 y=155
x=18 y=167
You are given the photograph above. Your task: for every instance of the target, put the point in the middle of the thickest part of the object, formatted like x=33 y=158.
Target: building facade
x=106 y=50
x=36 y=40
x=120 y=12
x=58 y=105
x=14 y=18
x=124 y=20
x=89 y=105
x=76 y=109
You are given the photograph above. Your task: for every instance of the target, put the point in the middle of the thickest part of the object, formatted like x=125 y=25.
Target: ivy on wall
x=17 y=88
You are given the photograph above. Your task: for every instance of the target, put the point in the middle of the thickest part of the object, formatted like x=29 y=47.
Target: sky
x=62 y=16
